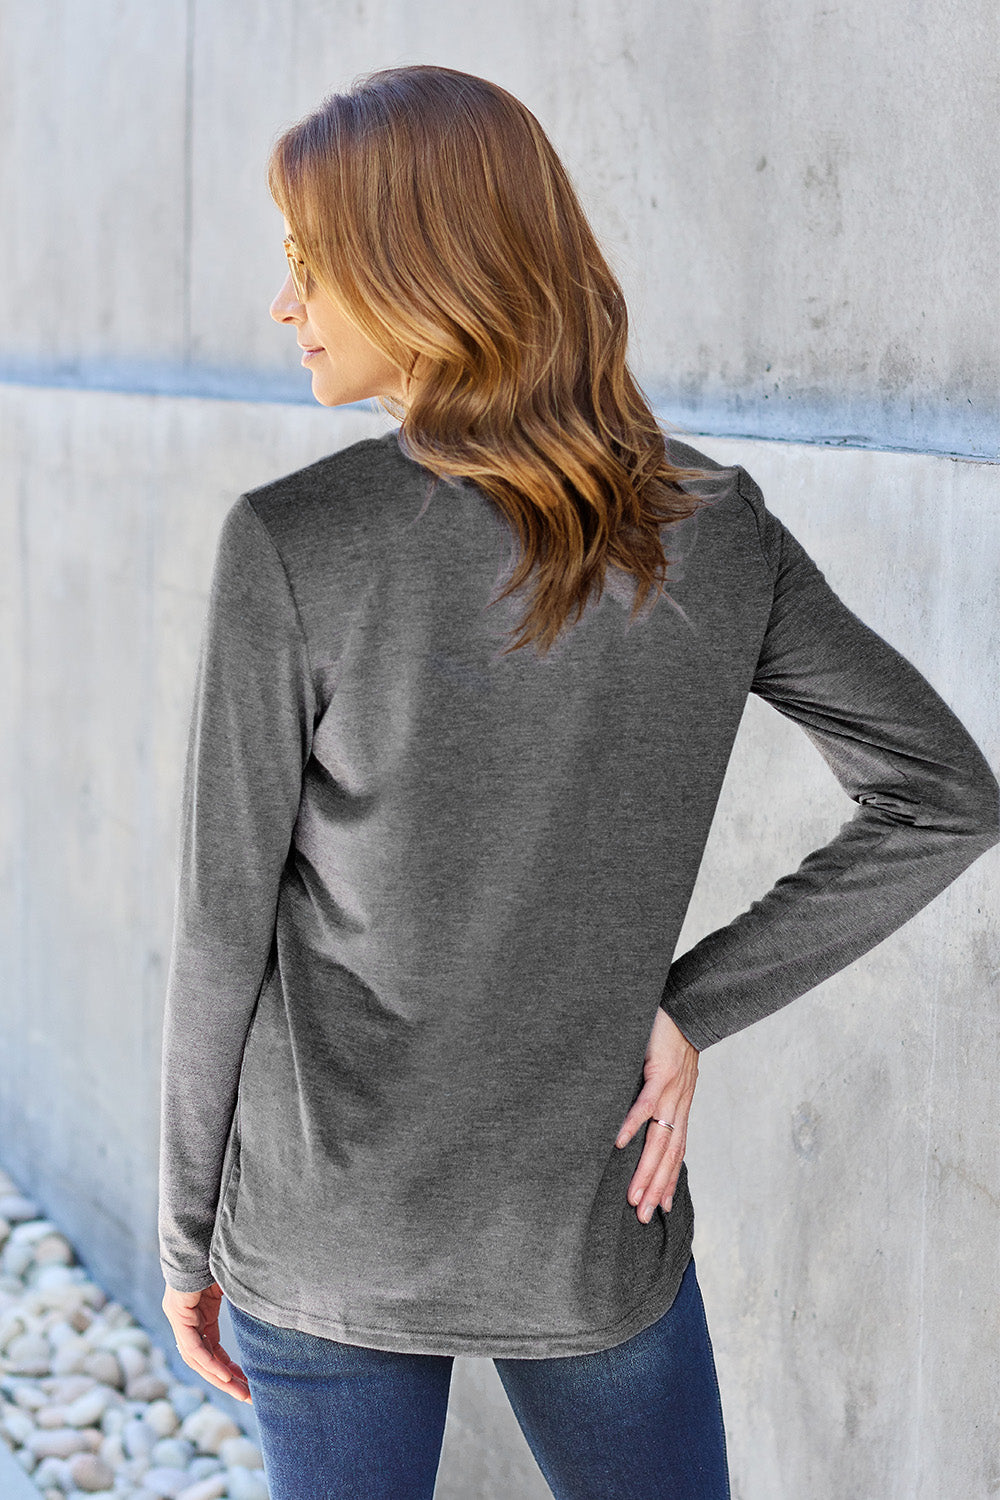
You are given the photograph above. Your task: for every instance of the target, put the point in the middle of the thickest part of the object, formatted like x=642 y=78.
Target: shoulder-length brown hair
x=431 y=206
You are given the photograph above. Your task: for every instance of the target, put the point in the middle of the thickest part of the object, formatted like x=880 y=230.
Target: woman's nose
x=286 y=306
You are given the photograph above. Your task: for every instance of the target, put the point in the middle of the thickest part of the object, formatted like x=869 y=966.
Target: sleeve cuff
x=187 y=1281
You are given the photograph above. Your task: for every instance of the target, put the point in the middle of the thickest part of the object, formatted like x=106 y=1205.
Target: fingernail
x=646 y=1214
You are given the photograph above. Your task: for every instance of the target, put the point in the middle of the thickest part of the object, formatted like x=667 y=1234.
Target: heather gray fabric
x=428 y=898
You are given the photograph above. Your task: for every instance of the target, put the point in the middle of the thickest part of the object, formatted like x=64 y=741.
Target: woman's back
x=435 y=890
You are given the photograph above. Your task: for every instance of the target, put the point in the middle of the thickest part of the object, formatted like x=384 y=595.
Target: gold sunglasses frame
x=298 y=268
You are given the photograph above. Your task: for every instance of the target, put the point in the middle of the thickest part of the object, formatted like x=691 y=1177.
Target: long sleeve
x=928 y=804
x=249 y=739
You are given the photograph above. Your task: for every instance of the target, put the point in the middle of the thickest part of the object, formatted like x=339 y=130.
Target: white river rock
x=240 y=1452
x=162 y=1417
x=89 y=1472
x=208 y=1428
x=212 y=1488
x=61 y=1442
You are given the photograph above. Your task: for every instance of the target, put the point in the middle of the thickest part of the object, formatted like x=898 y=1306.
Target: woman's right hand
x=194 y=1318
x=670 y=1072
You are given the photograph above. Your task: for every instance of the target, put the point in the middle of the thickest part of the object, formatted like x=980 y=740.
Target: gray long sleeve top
x=428 y=898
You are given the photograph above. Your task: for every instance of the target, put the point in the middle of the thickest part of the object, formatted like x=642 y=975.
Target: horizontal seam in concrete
x=227 y=386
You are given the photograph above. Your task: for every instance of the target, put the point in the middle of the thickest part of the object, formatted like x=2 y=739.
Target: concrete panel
x=843 y=1154
x=692 y=184
x=802 y=202
x=94 y=257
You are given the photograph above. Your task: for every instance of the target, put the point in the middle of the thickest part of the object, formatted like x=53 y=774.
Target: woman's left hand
x=670 y=1072
x=194 y=1317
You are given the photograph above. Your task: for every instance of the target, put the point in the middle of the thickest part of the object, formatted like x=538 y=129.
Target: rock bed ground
x=89 y=1406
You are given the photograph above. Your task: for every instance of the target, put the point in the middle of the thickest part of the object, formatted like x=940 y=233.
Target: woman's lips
x=310 y=354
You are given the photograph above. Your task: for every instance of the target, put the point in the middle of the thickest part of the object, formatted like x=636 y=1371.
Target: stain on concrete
x=805 y=1131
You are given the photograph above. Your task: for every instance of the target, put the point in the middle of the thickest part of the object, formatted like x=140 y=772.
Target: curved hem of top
x=489 y=1346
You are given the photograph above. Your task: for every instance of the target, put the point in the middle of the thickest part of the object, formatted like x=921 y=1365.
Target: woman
x=454 y=755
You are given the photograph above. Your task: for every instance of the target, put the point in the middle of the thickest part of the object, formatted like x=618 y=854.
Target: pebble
x=132 y=1360
x=71 y=1354
x=29 y=1396
x=11 y=1327
x=133 y=1469
x=68 y=1388
x=125 y=1337
x=47 y=1278
x=17 y=1425
x=163 y=1418
x=204 y=1465
x=165 y=1483
x=111 y=1450
x=212 y=1488
x=52 y=1471
x=59 y=1443
x=240 y=1452
x=246 y=1484
x=114 y=1419
x=58 y=1332
x=51 y=1416
x=28 y=1354
x=89 y=1404
x=89 y=1472
x=53 y=1249
x=173 y=1453
x=146 y=1388
x=208 y=1428
x=185 y=1399
x=138 y=1438
x=88 y=1408
x=16 y=1257
x=103 y=1366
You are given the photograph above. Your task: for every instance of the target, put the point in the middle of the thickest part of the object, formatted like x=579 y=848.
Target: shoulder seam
x=336 y=458
x=703 y=459
x=754 y=502
x=245 y=498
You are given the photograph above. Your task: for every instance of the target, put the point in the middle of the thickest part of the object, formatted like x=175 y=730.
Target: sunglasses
x=297 y=266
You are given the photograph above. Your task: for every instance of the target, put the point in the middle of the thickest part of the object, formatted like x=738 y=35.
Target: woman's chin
x=327 y=394
x=324 y=394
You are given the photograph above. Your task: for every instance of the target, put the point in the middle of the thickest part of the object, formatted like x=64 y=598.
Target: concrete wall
x=803 y=211
x=802 y=201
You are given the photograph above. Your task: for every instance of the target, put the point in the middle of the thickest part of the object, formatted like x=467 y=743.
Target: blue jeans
x=640 y=1421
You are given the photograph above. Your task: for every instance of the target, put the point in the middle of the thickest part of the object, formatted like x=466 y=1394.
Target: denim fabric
x=639 y=1421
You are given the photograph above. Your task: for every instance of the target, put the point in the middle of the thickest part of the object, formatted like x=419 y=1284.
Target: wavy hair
x=432 y=208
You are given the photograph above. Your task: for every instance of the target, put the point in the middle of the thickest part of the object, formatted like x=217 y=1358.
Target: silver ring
x=663 y=1122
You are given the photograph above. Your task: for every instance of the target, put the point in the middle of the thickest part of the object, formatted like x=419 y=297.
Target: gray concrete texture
x=802 y=205
x=802 y=201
